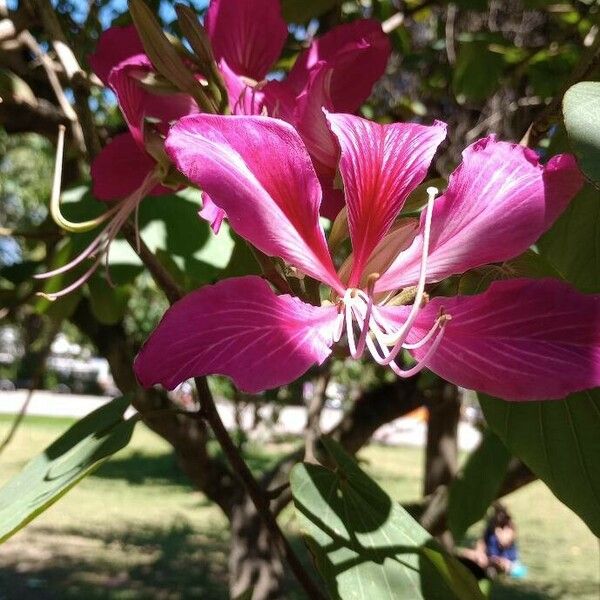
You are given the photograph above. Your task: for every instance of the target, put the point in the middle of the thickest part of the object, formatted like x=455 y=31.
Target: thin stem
x=161 y=276
x=259 y=497
x=257 y=494
x=270 y=271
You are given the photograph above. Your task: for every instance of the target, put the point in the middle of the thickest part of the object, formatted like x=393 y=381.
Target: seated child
x=497 y=551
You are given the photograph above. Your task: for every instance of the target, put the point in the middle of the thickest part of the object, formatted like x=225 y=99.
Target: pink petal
x=358 y=53
x=522 y=339
x=212 y=213
x=311 y=123
x=120 y=169
x=280 y=100
x=248 y=34
x=238 y=328
x=136 y=103
x=498 y=203
x=245 y=97
x=380 y=166
x=257 y=170
x=114 y=46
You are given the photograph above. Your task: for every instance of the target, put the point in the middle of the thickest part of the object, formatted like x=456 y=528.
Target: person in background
x=497 y=552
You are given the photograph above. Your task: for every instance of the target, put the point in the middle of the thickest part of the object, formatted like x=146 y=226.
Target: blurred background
x=164 y=518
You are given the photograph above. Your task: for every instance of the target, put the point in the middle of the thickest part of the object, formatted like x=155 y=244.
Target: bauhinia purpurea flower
x=245 y=38
x=520 y=339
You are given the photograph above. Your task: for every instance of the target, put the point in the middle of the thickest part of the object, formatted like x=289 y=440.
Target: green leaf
x=581 y=108
x=417 y=199
x=169 y=224
x=301 y=11
x=549 y=69
x=108 y=303
x=573 y=243
x=50 y=475
x=477 y=72
x=364 y=544
x=477 y=485
x=528 y=264
x=559 y=442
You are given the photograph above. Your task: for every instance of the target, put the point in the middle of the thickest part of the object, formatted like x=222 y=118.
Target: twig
x=450 y=21
x=35 y=382
x=64 y=103
x=30 y=235
x=74 y=73
x=161 y=276
x=312 y=430
x=18 y=420
x=397 y=19
x=259 y=498
x=211 y=415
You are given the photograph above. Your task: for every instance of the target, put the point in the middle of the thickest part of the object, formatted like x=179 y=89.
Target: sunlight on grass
x=136 y=529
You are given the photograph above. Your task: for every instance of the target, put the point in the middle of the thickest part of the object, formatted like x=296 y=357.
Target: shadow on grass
x=523 y=590
x=175 y=562
x=138 y=467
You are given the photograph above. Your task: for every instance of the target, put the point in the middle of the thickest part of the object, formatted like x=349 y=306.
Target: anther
x=371 y=281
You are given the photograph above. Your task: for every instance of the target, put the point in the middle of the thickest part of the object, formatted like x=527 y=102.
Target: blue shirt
x=494 y=549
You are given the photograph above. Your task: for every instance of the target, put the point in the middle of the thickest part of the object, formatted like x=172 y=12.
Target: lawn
x=135 y=529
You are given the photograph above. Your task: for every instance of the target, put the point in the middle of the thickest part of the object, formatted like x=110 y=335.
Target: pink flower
x=337 y=71
x=124 y=163
x=520 y=339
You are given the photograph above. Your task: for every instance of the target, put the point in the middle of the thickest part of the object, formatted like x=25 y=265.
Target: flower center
x=386 y=340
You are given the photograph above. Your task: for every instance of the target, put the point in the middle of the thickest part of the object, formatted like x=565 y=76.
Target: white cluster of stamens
x=383 y=341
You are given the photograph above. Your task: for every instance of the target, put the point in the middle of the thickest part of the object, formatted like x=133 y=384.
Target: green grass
x=135 y=529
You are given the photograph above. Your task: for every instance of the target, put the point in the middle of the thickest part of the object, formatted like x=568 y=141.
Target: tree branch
x=210 y=413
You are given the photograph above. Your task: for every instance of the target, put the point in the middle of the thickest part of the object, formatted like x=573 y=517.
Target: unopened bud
x=196 y=35
x=164 y=56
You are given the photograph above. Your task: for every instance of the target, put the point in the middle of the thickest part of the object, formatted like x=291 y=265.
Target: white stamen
x=101 y=244
x=398 y=338
x=422 y=363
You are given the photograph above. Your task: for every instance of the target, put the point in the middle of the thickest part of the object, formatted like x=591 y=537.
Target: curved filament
x=57 y=216
x=100 y=246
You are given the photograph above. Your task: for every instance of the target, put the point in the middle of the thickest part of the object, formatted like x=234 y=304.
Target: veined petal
x=257 y=170
x=311 y=123
x=498 y=203
x=358 y=53
x=522 y=339
x=248 y=34
x=380 y=166
x=114 y=46
x=121 y=168
x=241 y=329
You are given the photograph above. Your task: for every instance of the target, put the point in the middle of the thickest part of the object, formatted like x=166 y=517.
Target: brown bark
x=441 y=451
x=253 y=562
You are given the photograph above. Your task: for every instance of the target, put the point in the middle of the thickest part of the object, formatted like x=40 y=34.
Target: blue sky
x=116 y=7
